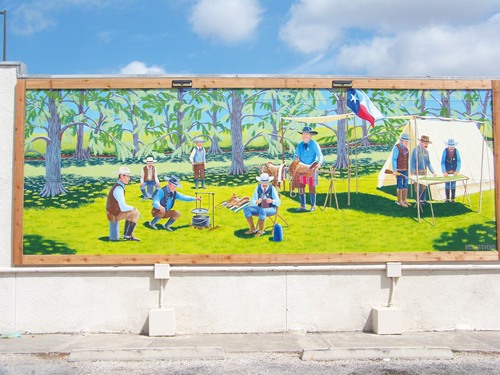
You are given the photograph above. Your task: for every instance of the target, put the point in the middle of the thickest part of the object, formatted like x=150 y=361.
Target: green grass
x=76 y=223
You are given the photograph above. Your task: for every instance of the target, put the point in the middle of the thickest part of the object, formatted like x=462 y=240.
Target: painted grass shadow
x=375 y=204
x=477 y=237
x=81 y=191
x=34 y=244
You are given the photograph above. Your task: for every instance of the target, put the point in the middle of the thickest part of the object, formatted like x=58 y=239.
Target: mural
x=257 y=171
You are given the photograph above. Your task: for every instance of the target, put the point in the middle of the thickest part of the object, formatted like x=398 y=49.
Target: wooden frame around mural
x=24 y=84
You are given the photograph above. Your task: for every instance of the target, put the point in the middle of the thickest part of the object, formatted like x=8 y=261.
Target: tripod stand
x=331 y=189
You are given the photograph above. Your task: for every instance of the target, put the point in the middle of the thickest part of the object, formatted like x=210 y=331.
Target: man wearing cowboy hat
x=149 y=179
x=308 y=152
x=263 y=203
x=198 y=160
x=450 y=165
x=163 y=203
x=420 y=162
x=116 y=207
x=400 y=158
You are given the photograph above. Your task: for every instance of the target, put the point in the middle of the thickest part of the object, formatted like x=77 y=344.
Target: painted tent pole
x=481 y=174
x=280 y=122
x=417 y=192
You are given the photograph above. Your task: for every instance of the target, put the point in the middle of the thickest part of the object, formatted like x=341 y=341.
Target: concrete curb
x=145 y=354
x=377 y=353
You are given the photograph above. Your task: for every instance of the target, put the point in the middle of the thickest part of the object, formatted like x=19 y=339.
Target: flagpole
x=356 y=154
x=348 y=163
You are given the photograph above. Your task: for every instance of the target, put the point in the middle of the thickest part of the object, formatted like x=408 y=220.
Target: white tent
x=476 y=155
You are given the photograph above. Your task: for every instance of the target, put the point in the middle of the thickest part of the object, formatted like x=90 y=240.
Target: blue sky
x=302 y=37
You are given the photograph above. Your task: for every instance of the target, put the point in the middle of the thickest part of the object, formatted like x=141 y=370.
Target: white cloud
x=438 y=50
x=388 y=37
x=228 y=21
x=138 y=67
x=315 y=26
x=38 y=15
x=28 y=20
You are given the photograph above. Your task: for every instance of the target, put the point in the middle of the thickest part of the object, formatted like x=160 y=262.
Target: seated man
x=163 y=203
x=117 y=209
x=263 y=203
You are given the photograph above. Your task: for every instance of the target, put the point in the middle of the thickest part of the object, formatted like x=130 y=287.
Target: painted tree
x=44 y=111
x=49 y=115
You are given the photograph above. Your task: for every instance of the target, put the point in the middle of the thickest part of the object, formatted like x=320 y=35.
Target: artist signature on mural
x=480 y=247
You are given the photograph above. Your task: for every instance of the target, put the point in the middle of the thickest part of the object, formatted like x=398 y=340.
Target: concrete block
x=162 y=271
x=393 y=269
x=114 y=231
x=387 y=320
x=162 y=322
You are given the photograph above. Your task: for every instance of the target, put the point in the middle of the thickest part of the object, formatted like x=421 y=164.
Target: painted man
x=264 y=203
x=420 y=162
x=117 y=209
x=149 y=179
x=451 y=163
x=400 y=164
x=163 y=203
x=308 y=152
x=198 y=161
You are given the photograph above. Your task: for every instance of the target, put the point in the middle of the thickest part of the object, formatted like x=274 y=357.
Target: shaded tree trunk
x=53 y=181
x=237 y=164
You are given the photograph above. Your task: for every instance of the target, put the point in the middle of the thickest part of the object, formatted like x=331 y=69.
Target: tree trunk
x=364 y=140
x=446 y=103
x=214 y=148
x=423 y=102
x=80 y=153
x=237 y=164
x=53 y=181
x=342 y=147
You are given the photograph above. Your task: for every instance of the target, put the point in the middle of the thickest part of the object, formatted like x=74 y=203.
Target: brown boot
x=404 y=196
x=260 y=225
x=251 y=230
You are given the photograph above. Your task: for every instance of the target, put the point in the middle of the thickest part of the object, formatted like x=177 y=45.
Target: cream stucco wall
x=218 y=301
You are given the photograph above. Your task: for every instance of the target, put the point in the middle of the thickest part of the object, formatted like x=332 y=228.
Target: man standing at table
x=400 y=158
x=420 y=162
x=450 y=165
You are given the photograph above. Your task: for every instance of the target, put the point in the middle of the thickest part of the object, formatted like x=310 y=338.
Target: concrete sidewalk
x=310 y=346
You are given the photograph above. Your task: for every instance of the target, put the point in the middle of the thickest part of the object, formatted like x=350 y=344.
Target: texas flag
x=362 y=106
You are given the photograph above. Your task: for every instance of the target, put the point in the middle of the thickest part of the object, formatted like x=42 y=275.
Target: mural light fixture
x=182 y=83
x=341 y=84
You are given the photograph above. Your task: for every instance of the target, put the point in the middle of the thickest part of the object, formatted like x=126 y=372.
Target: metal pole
x=4 y=12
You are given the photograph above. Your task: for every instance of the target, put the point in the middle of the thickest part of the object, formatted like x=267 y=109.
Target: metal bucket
x=201 y=221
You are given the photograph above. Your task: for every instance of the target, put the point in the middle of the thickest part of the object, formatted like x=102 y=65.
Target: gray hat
x=198 y=139
x=404 y=137
x=174 y=181
x=451 y=143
